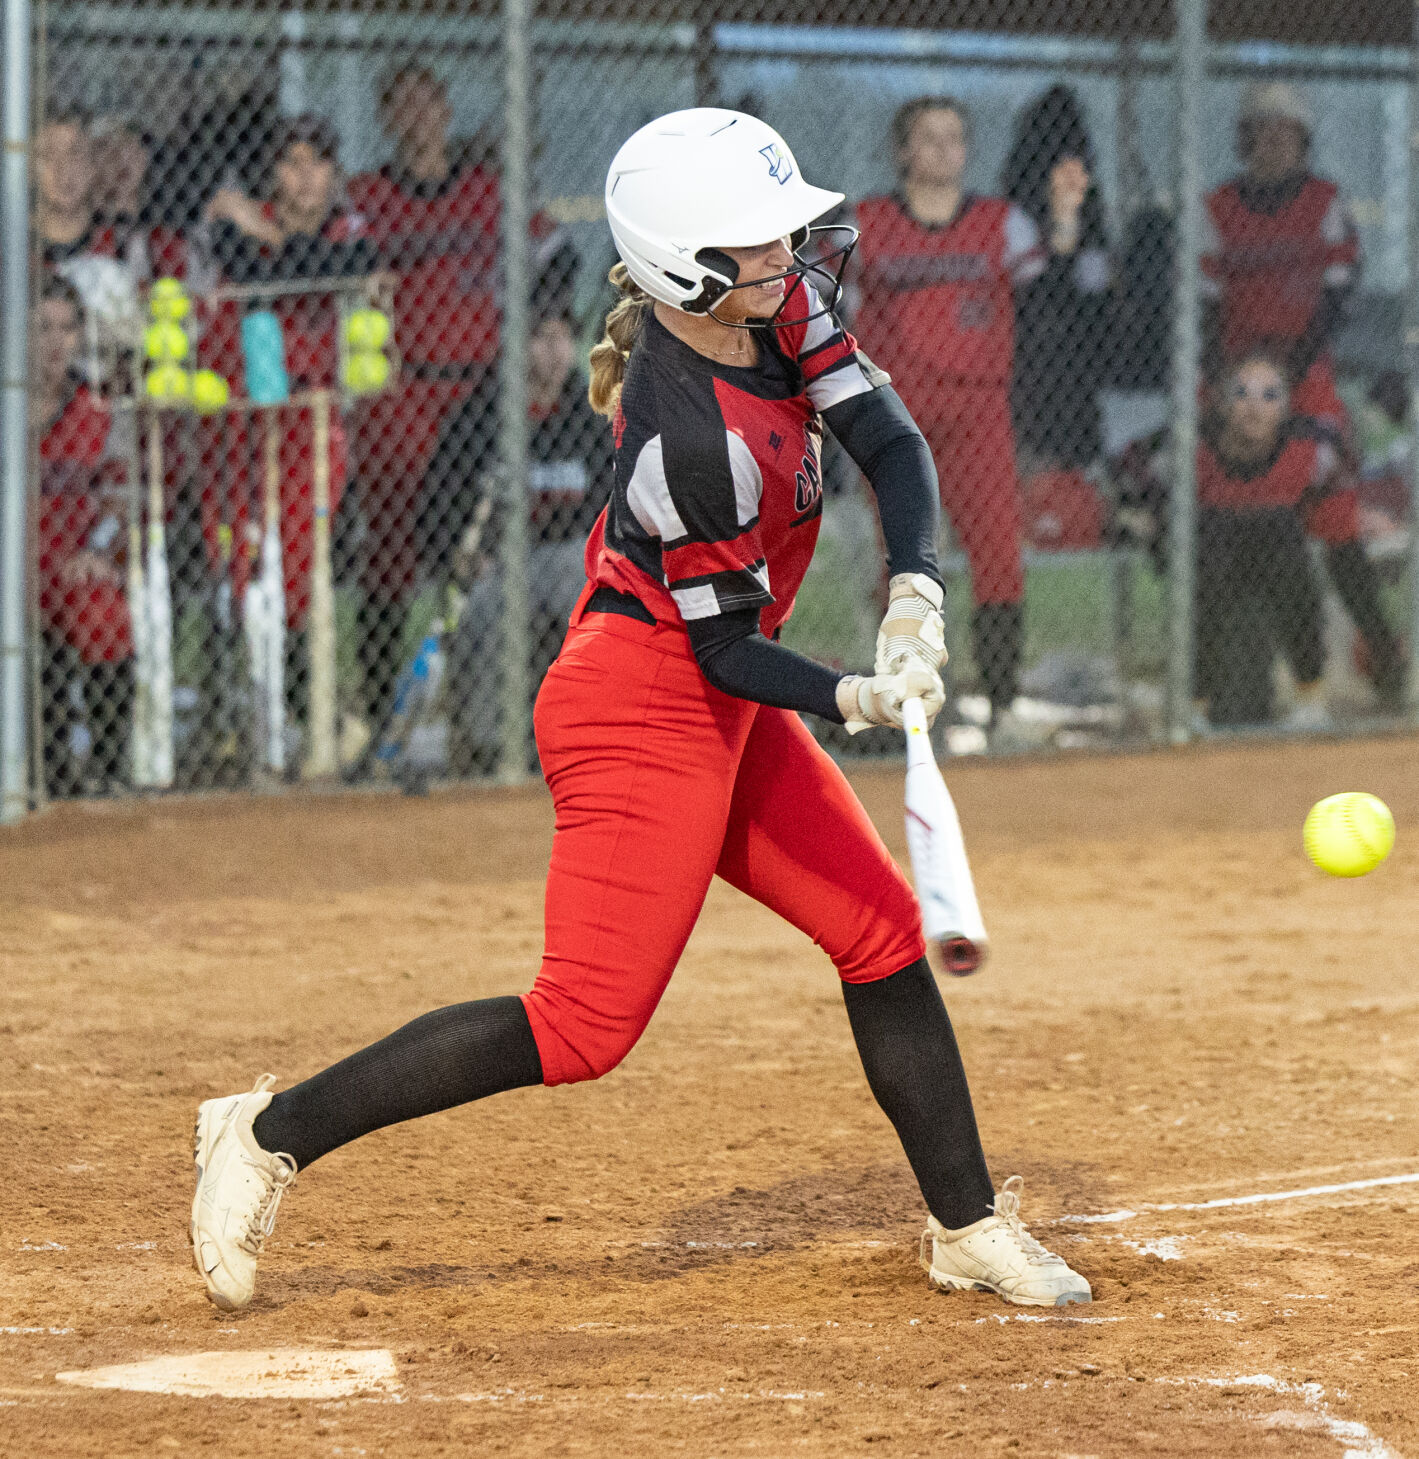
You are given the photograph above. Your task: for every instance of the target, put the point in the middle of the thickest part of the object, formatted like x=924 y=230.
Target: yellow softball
x=164 y=340
x=1349 y=834
x=367 y=329
x=210 y=392
x=168 y=385
x=366 y=371
x=168 y=300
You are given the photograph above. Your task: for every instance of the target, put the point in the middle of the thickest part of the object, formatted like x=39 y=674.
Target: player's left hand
x=865 y=701
x=913 y=633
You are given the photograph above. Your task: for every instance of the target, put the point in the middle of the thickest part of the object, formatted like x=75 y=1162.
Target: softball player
x=1267 y=477
x=1282 y=253
x=668 y=727
x=941 y=270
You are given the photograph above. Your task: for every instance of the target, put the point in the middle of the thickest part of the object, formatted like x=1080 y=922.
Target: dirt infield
x=712 y=1252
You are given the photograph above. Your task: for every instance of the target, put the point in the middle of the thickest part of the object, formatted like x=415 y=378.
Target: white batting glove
x=913 y=631
x=864 y=701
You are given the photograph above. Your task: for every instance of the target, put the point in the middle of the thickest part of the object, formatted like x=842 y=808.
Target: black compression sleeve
x=877 y=431
x=737 y=659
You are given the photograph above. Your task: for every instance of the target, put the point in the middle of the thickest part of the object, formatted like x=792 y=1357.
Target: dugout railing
x=441 y=593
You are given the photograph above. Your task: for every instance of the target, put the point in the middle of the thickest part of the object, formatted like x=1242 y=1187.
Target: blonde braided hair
x=623 y=328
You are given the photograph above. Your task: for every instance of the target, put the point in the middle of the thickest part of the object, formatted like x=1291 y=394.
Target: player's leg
x=1232 y=612
x=639 y=753
x=1297 y=621
x=981 y=493
x=799 y=841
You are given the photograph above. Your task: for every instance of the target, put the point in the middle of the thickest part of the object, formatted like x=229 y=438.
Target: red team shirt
x=1298 y=474
x=719 y=488
x=83 y=509
x=1302 y=474
x=938 y=306
x=1269 y=269
x=442 y=240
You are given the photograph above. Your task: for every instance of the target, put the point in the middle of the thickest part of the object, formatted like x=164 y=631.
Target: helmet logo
x=780 y=168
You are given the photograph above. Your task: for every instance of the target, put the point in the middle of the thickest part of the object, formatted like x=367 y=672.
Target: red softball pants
x=972 y=439
x=661 y=782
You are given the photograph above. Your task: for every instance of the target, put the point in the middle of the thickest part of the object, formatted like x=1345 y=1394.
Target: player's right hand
x=864 y=701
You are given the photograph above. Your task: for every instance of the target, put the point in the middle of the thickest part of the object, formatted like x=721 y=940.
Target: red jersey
x=1269 y=266
x=83 y=509
x=1297 y=473
x=938 y=299
x=441 y=240
x=719 y=489
x=1301 y=474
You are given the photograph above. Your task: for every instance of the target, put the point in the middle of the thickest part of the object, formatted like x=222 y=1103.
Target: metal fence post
x=1189 y=67
x=512 y=388
x=14 y=423
x=1411 y=353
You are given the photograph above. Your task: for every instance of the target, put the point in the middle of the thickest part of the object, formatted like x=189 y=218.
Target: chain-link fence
x=312 y=465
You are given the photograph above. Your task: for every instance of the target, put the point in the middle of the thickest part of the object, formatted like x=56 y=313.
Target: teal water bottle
x=264 y=354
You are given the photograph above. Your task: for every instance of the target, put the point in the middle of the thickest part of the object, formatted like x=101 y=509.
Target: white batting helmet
x=1279 y=99
x=695 y=182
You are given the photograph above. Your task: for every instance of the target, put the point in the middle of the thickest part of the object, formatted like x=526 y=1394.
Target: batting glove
x=864 y=701
x=913 y=631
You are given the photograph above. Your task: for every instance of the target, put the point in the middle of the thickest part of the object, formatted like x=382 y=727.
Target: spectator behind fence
x=303 y=229
x=1281 y=256
x=1264 y=478
x=83 y=540
x=939 y=269
x=571 y=460
x=434 y=211
x=121 y=157
x=1061 y=345
x=78 y=245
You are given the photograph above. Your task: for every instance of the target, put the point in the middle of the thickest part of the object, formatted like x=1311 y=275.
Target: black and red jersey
x=1297 y=473
x=1269 y=255
x=83 y=512
x=938 y=302
x=441 y=239
x=1300 y=474
x=719 y=490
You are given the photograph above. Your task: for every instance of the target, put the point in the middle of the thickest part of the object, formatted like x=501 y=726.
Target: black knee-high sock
x=445 y=1058
x=998 y=631
x=1358 y=584
x=914 y=1068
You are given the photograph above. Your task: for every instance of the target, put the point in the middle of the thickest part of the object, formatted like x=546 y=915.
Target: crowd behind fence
x=310 y=465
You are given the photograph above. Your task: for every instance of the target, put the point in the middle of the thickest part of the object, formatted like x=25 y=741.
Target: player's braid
x=623 y=327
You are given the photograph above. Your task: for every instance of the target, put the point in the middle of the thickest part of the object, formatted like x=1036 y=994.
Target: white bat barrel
x=950 y=913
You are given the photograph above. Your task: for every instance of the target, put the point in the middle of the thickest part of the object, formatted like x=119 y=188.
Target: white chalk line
x=1262 y=1198
x=1360 y=1442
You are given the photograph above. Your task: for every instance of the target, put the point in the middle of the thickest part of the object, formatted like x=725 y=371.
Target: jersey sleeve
x=834 y=368
x=696 y=487
x=1211 y=250
x=1342 y=245
x=1024 y=257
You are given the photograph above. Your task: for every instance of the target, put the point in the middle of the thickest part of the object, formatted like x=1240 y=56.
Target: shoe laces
x=278 y=1175
x=1007 y=1208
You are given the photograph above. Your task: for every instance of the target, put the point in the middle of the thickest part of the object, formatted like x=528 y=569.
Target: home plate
x=273 y=1373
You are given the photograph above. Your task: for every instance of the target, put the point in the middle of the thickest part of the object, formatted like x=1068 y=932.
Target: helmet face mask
x=690 y=185
x=824 y=270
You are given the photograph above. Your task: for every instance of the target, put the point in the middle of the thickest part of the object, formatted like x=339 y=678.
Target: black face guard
x=823 y=269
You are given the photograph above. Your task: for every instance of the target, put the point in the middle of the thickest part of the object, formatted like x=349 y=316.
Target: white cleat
x=1308 y=717
x=239 y=1189
x=999 y=1255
